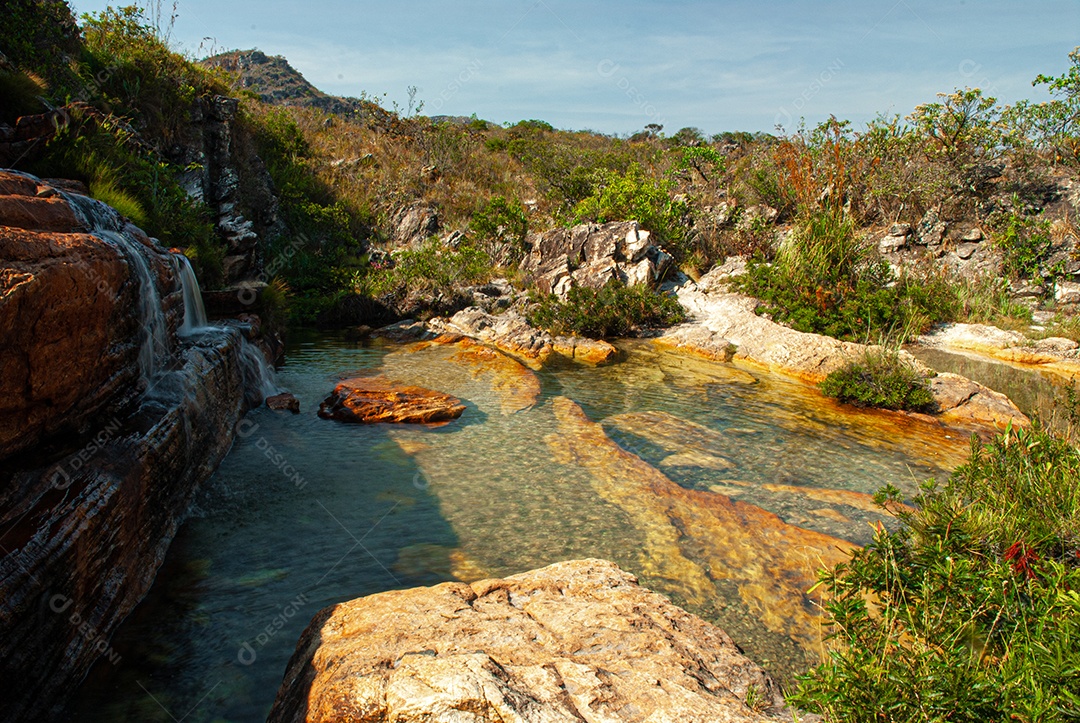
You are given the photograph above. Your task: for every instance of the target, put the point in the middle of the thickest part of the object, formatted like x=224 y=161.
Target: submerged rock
x=574 y=641
x=770 y=562
x=370 y=400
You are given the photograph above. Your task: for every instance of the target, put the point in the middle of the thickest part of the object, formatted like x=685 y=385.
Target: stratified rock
x=284 y=402
x=591 y=255
x=370 y=400
x=575 y=641
x=965 y=403
x=589 y=351
x=69 y=340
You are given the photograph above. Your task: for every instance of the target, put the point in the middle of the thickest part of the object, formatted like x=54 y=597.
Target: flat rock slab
x=370 y=400
x=575 y=641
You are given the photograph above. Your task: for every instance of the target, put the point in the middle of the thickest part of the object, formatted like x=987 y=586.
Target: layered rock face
x=110 y=421
x=575 y=641
x=69 y=338
x=591 y=255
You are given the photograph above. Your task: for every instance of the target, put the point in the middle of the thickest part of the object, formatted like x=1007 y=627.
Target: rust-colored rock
x=574 y=641
x=517 y=386
x=69 y=338
x=370 y=400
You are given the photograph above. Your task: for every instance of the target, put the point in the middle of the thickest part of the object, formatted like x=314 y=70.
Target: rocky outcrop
x=226 y=173
x=371 y=400
x=69 y=342
x=110 y=422
x=726 y=326
x=512 y=334
x=591 y=255
x=415 y=224
x=575 y=641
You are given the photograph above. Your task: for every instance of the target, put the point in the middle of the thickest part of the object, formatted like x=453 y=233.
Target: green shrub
x=499 y=228
x=634 y=196
x=432 y=267
x=1024 y=244
x=825 y=280
x=971 y=610
x=614 y=310
x=881 y=379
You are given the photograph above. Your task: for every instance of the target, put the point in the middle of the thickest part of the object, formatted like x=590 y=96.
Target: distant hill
x=276 y=82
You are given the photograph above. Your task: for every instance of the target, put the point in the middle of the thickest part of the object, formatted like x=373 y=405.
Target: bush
x=432 y=267
x=499 y=228
x=633 y=196
x=971 y=610
x=824 y=280
x=614 y=310
x=881 y=379
x=1024 y=244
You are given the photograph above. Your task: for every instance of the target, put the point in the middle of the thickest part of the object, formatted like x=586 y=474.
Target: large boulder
x=370 y=400
x=575 y=641
x=591 y=255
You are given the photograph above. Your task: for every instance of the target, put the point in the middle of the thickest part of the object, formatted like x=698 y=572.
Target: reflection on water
x=1038 y=394
x=306 y=512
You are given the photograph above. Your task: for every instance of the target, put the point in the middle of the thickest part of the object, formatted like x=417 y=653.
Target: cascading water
x=194 y=311
x=259 y=377
x=105 y=223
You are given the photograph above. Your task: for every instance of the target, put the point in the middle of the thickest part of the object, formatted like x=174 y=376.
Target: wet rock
x=588 y=351
x=574 y=641
x=284 y=402
x=69 y=341
x=370 y=400
x=1009 y=346
x=517 y=386
x=858 y=500
x=591 y=255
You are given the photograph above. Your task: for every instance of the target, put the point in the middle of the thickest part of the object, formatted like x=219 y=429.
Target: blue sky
x=616 y=66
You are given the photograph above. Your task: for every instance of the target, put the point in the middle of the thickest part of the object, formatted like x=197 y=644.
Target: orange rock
x=370 y=400
x=38 y=214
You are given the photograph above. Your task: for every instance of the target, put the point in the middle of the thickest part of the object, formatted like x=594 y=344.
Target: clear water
x=306 y=512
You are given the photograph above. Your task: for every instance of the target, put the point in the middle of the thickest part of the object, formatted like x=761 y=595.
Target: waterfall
x=153 y=331
x=258 y=375
x=104 y=222
x=194 y=311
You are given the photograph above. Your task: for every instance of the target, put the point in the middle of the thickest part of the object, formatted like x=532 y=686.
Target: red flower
x=1022 y=558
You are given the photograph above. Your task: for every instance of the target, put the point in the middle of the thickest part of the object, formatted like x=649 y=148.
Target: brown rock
x=571 y=642
x=370 y=400
x=69 y=341
x=508 y=332
x=284 y=402
x=517 y=386
x=588 y=351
